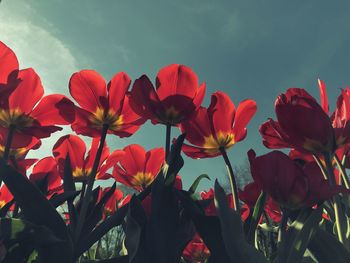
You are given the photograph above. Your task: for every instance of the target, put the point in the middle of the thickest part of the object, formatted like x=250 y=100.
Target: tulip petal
x=221 y=113
x=144 y=100
x=245 y=111
x=88 y=88
x=30 y=84
x=8 y=62
x=197 y=128
x=176 y=79
x=323 y=96
x=273 y=136
x=54 y=109
x=154 y=161
x=117 y=89
x=199 y=152
x=72 y=145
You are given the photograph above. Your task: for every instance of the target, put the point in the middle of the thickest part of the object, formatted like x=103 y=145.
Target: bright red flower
x=23 y=106
x=196 y=251
x=303 y=123
x=175 y=99
x=103 y=105
x=5 y=195
x=288 y=183
x=81 y=164
x=138 y=168
x=341 y=119
x=221 y=125
x=113 y=202
x=47 y=169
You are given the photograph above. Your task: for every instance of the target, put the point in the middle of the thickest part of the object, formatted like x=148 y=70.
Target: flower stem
x=342 y=171
x=319 y=163
x=167 y=140
x=9 y=138
x=283 y=226
x=231 y=176
x=90 y=184
x=336 y=200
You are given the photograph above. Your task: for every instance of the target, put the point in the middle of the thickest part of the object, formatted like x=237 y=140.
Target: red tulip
x=138 y=168
x=288 y=183
x=175 y=99
x=81 y=164
x=23 y=107
x=103 y=105
x=47 y=168
x=5 y=196
x=221 y=125
x=9 y=63
x=113 y=202
x=196 y=251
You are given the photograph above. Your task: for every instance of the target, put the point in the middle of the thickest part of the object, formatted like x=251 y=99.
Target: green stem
x=319 y=163
x=283 y=226
x=9 y=138
x=167 y=140
x=90 y=184
x=342 y=171
x=232 y=179
x=336 y=200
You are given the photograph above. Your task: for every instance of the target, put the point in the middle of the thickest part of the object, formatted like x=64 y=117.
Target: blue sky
x=249 y=49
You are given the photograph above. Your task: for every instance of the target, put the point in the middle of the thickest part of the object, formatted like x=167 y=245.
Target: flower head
x=218 y=127
x=103 y=105
x=175 y=99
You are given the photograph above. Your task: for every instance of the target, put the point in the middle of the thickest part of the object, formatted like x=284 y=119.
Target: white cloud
x=36 y=47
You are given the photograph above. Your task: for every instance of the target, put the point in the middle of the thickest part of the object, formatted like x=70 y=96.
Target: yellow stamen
x=101 y=117
x=142 y=179
x=2 y=203
x=14 y=117
x=213 y=145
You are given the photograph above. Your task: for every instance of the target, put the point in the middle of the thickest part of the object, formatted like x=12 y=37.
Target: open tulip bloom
x=57 y=208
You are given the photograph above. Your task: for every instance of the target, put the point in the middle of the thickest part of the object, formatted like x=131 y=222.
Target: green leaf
x=196 y=182
x=208 y=227
x=134 y=233
x=58 y=199
x=97 y=212
x=26 y=236
x=257 y=212
x=299 y=233
x=37 y=209
x=232 y=231
x=327 y=249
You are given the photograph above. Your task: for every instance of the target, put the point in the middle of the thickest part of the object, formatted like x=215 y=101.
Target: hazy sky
x=249 y=49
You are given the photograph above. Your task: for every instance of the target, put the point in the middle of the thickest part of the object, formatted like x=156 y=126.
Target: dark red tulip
x=196 y=251
x=221 y=125
x=175 y=98
x=138 y=168
x=288 y=183
x=103 y=105
x=250 y=194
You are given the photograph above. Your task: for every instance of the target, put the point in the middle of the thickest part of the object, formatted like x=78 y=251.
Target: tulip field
x=55 y=209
